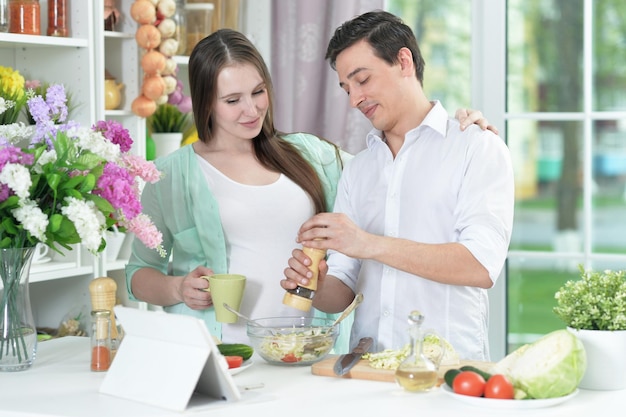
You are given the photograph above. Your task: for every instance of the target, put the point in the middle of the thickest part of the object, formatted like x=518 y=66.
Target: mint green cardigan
x=184 y=209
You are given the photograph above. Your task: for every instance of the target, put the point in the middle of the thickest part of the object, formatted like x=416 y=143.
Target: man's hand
x=335 y=231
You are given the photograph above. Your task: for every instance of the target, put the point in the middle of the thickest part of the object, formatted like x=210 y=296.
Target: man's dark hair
x=385 y=32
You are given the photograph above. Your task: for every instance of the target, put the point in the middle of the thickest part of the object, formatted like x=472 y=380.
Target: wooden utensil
x=363 y=370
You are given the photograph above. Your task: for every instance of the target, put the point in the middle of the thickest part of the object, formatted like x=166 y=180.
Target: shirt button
x=386 y=313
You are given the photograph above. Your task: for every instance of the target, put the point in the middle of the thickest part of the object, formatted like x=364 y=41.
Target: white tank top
x=260 y=225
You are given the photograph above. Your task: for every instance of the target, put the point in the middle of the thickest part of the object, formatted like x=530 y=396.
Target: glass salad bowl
x=292 y=341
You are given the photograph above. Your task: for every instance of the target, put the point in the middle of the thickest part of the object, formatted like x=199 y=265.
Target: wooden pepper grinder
x=103 y=291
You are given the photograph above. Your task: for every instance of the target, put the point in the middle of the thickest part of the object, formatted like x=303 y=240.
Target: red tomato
x=469 y=383
x=498 y=386
x=289 y=358
x=234 y=361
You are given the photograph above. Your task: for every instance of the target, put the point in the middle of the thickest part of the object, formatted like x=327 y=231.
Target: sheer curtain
x=307 y=93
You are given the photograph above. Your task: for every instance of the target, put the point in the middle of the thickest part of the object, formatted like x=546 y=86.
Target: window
x=565 y=116
x=443 y=30
x=551 y=77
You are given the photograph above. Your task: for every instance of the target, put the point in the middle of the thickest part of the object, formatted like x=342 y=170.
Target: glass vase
x=18 y=335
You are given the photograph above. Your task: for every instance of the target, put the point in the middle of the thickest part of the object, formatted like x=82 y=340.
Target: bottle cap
x=296 y=301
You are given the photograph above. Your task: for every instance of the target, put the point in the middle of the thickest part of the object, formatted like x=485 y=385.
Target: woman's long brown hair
x=227 y=47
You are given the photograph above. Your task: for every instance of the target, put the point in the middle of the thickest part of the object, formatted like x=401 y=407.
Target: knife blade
x=347 y=361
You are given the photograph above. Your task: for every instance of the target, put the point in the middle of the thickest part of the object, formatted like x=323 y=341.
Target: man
x=423 y=215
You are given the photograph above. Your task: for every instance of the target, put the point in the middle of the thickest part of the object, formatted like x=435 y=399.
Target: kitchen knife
x=347 y=361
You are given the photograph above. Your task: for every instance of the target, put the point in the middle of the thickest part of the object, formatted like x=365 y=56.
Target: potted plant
x=594 y=308
x=167 y=126
x=172 y=119
x=169 y=119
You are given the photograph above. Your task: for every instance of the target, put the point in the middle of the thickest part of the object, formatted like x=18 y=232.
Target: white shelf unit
x=120 y=55
x=61 y=286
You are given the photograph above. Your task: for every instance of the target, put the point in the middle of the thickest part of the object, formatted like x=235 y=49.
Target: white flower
x=96 y=143
x=32 y=218
x=17 y=178
x=46 y=157
x=5 y=104
x=16 y=132
x=88 y=221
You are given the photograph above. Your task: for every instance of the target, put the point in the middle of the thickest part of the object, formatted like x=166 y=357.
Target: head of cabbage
x=550 y=367
x=432 y=347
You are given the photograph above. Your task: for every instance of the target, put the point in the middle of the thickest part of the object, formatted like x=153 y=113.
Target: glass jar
x=111 y=15
x=181 y=27
x=57 y=18
x=24 y=17
x=199 y=17
x=4 y=15
x=100 y=340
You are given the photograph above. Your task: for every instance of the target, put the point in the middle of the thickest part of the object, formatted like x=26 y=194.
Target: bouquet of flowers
x=61 y=184
x=70 y=184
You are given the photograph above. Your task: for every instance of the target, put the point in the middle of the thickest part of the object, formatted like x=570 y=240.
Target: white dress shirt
x=444 y=185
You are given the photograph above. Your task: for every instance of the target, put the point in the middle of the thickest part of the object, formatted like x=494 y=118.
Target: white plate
x=512 y=404
x=243 y=367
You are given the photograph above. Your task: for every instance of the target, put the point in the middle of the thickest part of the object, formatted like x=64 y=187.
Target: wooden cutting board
x=362 y=370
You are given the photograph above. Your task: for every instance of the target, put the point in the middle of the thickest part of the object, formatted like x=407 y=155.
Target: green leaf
x=9 y=226
x=55 y=222
x=75 y=193
x=72 y=182
x=6 y=243
x=9 y=203
x=54 y=180
x=62 y=146
x=88 y=161
x=101 y=203
x=67 y=232
x=89 y=183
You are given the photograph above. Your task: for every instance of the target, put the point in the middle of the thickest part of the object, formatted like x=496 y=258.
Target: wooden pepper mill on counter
x=103 y=292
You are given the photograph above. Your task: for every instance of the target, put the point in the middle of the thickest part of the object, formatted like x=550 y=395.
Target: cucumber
x=236 y=349
x=450 y=375
x=485 y=375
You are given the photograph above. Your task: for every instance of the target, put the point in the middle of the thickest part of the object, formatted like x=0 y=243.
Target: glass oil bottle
x=418 y=372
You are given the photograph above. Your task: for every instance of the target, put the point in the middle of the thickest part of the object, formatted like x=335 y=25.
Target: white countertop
x=61 y=384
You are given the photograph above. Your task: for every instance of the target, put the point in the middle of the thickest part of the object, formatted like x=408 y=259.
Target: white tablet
x=164 y=359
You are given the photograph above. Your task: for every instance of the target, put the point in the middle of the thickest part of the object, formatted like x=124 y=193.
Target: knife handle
x=363 y=346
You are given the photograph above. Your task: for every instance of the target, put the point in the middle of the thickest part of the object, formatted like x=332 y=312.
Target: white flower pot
x=606 y=359
x=166 y=143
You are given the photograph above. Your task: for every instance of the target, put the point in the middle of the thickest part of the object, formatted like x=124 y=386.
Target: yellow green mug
x=226 y=288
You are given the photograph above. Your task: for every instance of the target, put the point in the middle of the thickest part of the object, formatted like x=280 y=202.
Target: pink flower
x=137 y=166
x=115 y=132
x=147 y=232
x=117 y=186
x=32 y=84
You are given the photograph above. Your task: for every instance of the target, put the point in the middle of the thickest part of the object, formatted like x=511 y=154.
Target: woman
x=234 y=200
